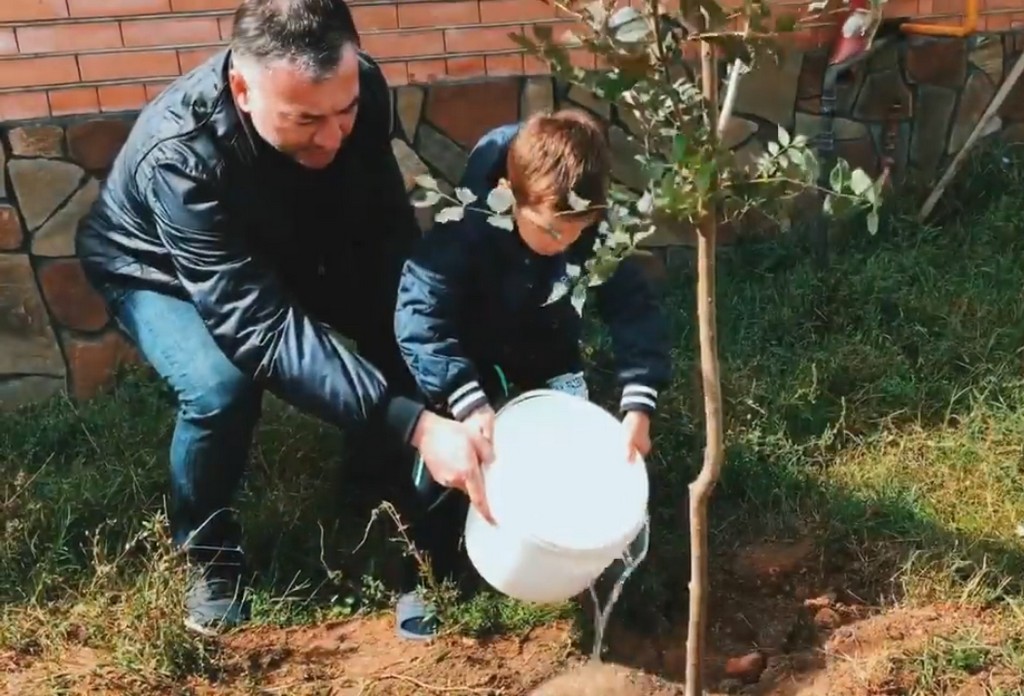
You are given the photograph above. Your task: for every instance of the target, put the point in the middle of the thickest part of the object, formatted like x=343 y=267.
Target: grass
x=878 y=406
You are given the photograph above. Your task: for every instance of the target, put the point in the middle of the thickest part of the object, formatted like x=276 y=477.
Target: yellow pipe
x=968 y=27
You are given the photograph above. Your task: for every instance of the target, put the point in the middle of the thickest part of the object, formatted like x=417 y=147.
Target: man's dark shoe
x=216 y=600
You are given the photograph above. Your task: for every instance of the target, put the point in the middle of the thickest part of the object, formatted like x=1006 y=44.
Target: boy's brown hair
x=555 y=153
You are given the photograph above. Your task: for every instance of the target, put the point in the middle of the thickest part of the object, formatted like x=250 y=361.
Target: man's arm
x=639 y=331
x=431 y=294
x=250 y=315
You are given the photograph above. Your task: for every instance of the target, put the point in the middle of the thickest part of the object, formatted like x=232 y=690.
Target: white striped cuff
x=637 y=397
x=466 y=399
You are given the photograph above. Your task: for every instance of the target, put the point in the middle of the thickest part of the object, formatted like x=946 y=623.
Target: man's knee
x=225 y=393
x=173 y=338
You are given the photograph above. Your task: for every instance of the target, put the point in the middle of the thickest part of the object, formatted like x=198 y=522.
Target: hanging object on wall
x=857 y=28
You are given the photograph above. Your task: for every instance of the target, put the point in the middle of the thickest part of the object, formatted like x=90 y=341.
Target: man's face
x=305 y=119
x=546 y=232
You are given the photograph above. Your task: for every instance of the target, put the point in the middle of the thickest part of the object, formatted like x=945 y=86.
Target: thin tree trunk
x=702 y=487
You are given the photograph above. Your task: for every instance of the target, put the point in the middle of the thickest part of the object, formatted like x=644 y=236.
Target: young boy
x=471 y=306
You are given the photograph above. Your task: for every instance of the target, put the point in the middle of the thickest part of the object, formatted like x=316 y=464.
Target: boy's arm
x=628 y=305
x=428 y=317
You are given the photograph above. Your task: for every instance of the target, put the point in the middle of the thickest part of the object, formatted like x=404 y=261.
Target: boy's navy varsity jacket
x=472 y=295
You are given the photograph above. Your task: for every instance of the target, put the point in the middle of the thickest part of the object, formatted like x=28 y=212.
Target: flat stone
x=769 y=90
x=466 y=112
x=885 y=58
x=95 y=143
x=931 y=123
x=41 y=185
x=1013 y=134
x=57 y=236
x=737 y=131
x=989 y=57
x=1013 y=108
x=811 y=82
x=589 y=101
x=29 y=389
x=94 y=362
x=409 y=104
x=28 y=345
x=860 y=154
x=71 y=299
x=974 y=100
x=409 y=162
x=11 y=235
x=437 y=149
x=937 y=62
x=884 y=95
x=812 y=126
x=37 y=141
x=538 y=95
x=625 y=167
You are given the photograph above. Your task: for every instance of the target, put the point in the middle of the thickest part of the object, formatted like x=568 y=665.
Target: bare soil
x=783 y=623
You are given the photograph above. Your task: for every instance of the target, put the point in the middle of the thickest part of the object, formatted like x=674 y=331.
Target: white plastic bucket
x=566 y=501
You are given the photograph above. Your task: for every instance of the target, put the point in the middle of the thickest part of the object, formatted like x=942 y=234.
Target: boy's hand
x=482 y=420
x=637 y=425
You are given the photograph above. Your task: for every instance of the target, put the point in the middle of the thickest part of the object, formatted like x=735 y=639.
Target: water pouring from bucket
x=567 y=502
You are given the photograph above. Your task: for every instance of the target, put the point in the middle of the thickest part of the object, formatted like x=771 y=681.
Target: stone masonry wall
x=56 y=336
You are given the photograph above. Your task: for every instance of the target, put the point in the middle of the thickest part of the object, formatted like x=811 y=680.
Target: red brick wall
x=63 y=57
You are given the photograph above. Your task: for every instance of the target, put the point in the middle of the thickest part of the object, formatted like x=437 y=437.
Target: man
x=255 y=208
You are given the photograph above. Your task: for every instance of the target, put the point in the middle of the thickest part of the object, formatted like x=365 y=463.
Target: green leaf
x=500 y=199
x=429 y=200
x=464 y=195
x=872 y=222
x=452 y=213
x=645 y=205
x=784 y=139
x=679 y=147
x=579 y=297
x=427 y=182
x=577 y=203
x=502 y=221
x=703 y=178
x=558 y=291
x=860 y=182
x=839 y=175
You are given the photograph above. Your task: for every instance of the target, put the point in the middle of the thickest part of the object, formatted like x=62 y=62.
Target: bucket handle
x=532 y=394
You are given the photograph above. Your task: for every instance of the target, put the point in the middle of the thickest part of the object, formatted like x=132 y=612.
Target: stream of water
x=631 y=559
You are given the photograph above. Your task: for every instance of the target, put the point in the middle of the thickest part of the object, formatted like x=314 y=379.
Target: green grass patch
x=876 y=405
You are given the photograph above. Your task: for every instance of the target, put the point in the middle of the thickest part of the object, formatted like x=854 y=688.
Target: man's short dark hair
x=308 y=33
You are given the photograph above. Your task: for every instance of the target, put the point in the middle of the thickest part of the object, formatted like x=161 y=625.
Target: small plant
x=690 y=178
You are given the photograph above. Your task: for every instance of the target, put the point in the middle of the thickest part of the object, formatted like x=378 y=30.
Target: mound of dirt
x=601 y=679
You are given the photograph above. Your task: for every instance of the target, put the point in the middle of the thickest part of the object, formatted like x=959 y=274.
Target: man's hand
x=482 y=420
x=453 y=452
x=637 y=425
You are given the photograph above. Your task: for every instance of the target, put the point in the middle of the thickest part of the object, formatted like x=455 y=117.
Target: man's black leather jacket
x=199 y=207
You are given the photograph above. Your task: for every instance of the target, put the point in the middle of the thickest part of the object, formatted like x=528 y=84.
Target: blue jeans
x=218 y=409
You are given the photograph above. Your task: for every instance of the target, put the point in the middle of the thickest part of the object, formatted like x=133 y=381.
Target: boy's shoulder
x=486 y=162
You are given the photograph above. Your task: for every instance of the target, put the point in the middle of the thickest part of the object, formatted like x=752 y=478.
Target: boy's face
x=547 y=233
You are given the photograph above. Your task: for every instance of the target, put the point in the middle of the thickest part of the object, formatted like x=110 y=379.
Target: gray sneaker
x=216 y=600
